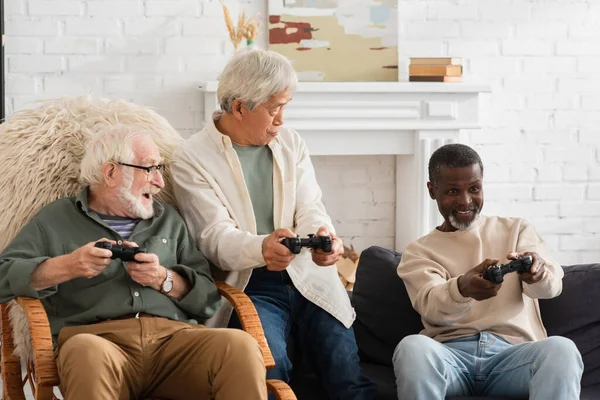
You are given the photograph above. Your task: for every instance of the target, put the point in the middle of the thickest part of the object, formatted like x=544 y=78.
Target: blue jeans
x=330 y=347
x=486 y=365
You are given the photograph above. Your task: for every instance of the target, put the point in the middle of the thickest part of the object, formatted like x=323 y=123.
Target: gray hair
x=113 y=144
x=253 y=77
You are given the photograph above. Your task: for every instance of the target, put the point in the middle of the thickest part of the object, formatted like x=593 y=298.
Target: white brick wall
x=540 y=142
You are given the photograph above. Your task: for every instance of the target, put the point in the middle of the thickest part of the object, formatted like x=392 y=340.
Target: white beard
x=460 y=225
x=135 y=206
x=132 y=203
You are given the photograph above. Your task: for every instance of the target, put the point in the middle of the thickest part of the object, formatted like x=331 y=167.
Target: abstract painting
x=337 y=40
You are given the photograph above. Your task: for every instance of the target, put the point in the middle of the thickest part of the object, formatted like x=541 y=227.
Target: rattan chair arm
x=248 y=317
x=12 y=381
x=280 y=389
x=46 y=374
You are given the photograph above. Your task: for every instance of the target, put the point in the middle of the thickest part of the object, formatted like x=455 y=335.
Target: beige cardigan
x=214 y=200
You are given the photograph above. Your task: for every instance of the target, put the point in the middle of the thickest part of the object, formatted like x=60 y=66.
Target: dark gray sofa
x=385 y=315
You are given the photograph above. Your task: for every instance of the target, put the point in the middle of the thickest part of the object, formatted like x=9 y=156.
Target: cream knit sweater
x=431 y=265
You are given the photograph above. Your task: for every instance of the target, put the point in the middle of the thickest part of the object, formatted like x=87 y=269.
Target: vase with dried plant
x=244 y=28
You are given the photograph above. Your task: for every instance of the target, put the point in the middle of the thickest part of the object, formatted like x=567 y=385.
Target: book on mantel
x=436 y=61
x=435 y=69
x=435 y=78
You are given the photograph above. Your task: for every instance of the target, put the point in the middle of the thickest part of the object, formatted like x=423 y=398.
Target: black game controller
x=495 y=273
x=125 y=253
x=314 y=242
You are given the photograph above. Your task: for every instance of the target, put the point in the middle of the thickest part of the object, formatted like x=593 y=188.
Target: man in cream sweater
x=480 y=338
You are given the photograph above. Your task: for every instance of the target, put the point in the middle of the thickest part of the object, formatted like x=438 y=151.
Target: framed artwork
x=337 y=40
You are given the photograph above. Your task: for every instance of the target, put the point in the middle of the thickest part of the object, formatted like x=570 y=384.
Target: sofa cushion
x=574 y=314
x=383 y=377
x=384 y=313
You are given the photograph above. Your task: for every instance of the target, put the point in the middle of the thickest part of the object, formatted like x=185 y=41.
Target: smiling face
x=458 y=192
x=261 y=125
x=137 y=186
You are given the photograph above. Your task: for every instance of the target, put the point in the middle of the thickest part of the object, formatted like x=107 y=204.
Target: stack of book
x=445 y=69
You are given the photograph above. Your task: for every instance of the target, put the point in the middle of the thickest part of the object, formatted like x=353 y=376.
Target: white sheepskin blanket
x=41 y=151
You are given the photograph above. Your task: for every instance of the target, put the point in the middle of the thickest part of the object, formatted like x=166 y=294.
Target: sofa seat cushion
x=590 y=393
x=383 y=377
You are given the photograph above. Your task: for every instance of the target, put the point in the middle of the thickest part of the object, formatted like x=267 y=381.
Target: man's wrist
x=161 y=279
x=66 y=260
x=461 y=289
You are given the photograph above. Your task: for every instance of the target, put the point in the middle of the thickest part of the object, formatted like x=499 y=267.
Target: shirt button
x=136 y=294
x=164 y=240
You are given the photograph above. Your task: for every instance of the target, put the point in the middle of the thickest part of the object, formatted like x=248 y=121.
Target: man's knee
x=236 y=343
x=85 y=352
x=412 y=346
x=86 y=348
x=413 y=354
x=560 y=351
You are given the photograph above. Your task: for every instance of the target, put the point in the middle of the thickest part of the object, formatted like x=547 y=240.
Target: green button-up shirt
x=67 y=224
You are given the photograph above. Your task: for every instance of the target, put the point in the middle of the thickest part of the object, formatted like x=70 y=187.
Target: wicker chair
x=41 y=372
x=28 y=141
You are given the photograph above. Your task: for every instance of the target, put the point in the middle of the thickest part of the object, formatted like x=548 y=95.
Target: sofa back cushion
x=384 y=314
x=575 y=314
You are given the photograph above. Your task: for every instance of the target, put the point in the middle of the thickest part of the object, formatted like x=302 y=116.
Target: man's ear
x=430 y=189
x=109 y=172
x=236 y=108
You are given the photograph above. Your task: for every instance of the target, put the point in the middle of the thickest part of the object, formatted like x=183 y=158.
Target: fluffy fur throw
x=21 y=332
x=41 y=151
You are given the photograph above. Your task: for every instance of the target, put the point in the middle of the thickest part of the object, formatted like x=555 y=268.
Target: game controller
x=495 y=273
x=314 y=242
x=125 y=253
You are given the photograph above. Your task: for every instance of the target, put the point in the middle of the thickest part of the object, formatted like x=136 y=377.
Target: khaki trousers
x=139 y=358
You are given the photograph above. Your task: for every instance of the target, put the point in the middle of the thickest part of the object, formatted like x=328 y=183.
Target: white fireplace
x=407 y=119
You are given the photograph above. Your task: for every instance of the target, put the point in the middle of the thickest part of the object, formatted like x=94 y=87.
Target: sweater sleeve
x=551 y=285
x=433 y=293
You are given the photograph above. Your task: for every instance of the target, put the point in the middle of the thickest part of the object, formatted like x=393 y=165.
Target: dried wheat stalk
x=244 y=29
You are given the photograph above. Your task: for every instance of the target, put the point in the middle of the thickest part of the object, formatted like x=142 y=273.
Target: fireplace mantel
x=407 y=119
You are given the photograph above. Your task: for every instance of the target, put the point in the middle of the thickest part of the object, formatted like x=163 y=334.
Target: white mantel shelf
x=376 y=87
x=407 y=119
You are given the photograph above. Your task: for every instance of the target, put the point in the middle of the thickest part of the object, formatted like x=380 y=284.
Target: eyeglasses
x=273 y=112
x=150 y=171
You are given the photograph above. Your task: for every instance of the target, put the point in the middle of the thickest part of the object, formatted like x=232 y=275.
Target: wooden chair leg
x=280 y=389
x=12 y=380
x=39 y=392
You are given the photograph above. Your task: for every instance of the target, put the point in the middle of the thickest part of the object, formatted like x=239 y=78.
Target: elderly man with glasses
x=128 y=328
